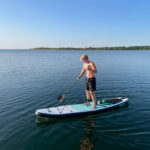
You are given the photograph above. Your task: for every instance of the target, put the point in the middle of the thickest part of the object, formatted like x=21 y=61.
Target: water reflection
x=87 y=142
x=44 y=120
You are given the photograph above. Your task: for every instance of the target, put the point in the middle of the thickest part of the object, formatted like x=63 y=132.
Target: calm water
x=30 y=80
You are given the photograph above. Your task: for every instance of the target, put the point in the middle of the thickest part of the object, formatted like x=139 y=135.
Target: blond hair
x=83 y=57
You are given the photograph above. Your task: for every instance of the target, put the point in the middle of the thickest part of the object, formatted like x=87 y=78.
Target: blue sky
x=77 y=23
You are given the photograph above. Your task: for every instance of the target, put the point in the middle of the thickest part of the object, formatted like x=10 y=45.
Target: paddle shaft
x=70 y=87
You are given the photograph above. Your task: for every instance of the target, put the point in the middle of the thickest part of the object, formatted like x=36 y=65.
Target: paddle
x=61 y=97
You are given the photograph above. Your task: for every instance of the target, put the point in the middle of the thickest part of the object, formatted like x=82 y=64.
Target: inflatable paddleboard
x=81 y=109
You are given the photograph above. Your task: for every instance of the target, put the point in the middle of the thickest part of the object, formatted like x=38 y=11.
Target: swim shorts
x=90 y=84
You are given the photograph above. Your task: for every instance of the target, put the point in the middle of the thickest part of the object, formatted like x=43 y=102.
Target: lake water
x=33 y=79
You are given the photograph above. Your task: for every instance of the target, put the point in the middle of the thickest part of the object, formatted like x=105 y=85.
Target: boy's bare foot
x=94 y=106
x=87 y=103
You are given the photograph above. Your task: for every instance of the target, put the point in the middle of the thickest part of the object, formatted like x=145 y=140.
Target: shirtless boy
x=90 y=81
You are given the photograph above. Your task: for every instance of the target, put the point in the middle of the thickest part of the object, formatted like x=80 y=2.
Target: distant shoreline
x=95 y=48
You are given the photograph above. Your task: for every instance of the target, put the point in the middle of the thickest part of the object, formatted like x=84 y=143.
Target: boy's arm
x=81 y=74
x=93 y=68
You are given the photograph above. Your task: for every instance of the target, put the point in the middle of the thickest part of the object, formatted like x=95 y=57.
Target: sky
x=73 y=23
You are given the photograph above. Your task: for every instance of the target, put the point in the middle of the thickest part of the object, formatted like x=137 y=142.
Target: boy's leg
x=87 y=96
x=93 y=99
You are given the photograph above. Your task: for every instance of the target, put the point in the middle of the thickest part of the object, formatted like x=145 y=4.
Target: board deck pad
x=83 y=107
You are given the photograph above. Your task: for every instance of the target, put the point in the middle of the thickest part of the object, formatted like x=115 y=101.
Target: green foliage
x=96 y=48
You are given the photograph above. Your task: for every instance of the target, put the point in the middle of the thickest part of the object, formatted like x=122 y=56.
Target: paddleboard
x=81 y=109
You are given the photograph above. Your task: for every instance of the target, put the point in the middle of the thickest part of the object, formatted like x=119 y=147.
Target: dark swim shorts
x=90 y=84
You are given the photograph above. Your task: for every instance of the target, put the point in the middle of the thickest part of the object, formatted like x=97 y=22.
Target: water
x=30 y=80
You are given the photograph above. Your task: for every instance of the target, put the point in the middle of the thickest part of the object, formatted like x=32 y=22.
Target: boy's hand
x=88 y=67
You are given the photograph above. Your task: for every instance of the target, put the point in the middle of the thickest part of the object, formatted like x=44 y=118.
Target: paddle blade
x=60 y=98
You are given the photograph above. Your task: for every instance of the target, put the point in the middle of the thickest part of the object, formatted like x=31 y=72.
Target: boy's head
x=84 y=58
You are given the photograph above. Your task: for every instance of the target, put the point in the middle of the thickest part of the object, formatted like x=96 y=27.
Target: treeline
x=96 y=48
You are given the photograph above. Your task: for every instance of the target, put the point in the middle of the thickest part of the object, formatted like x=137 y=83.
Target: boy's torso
x=89 y=73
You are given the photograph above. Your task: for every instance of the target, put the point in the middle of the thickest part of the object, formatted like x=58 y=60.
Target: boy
x=90 y=81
